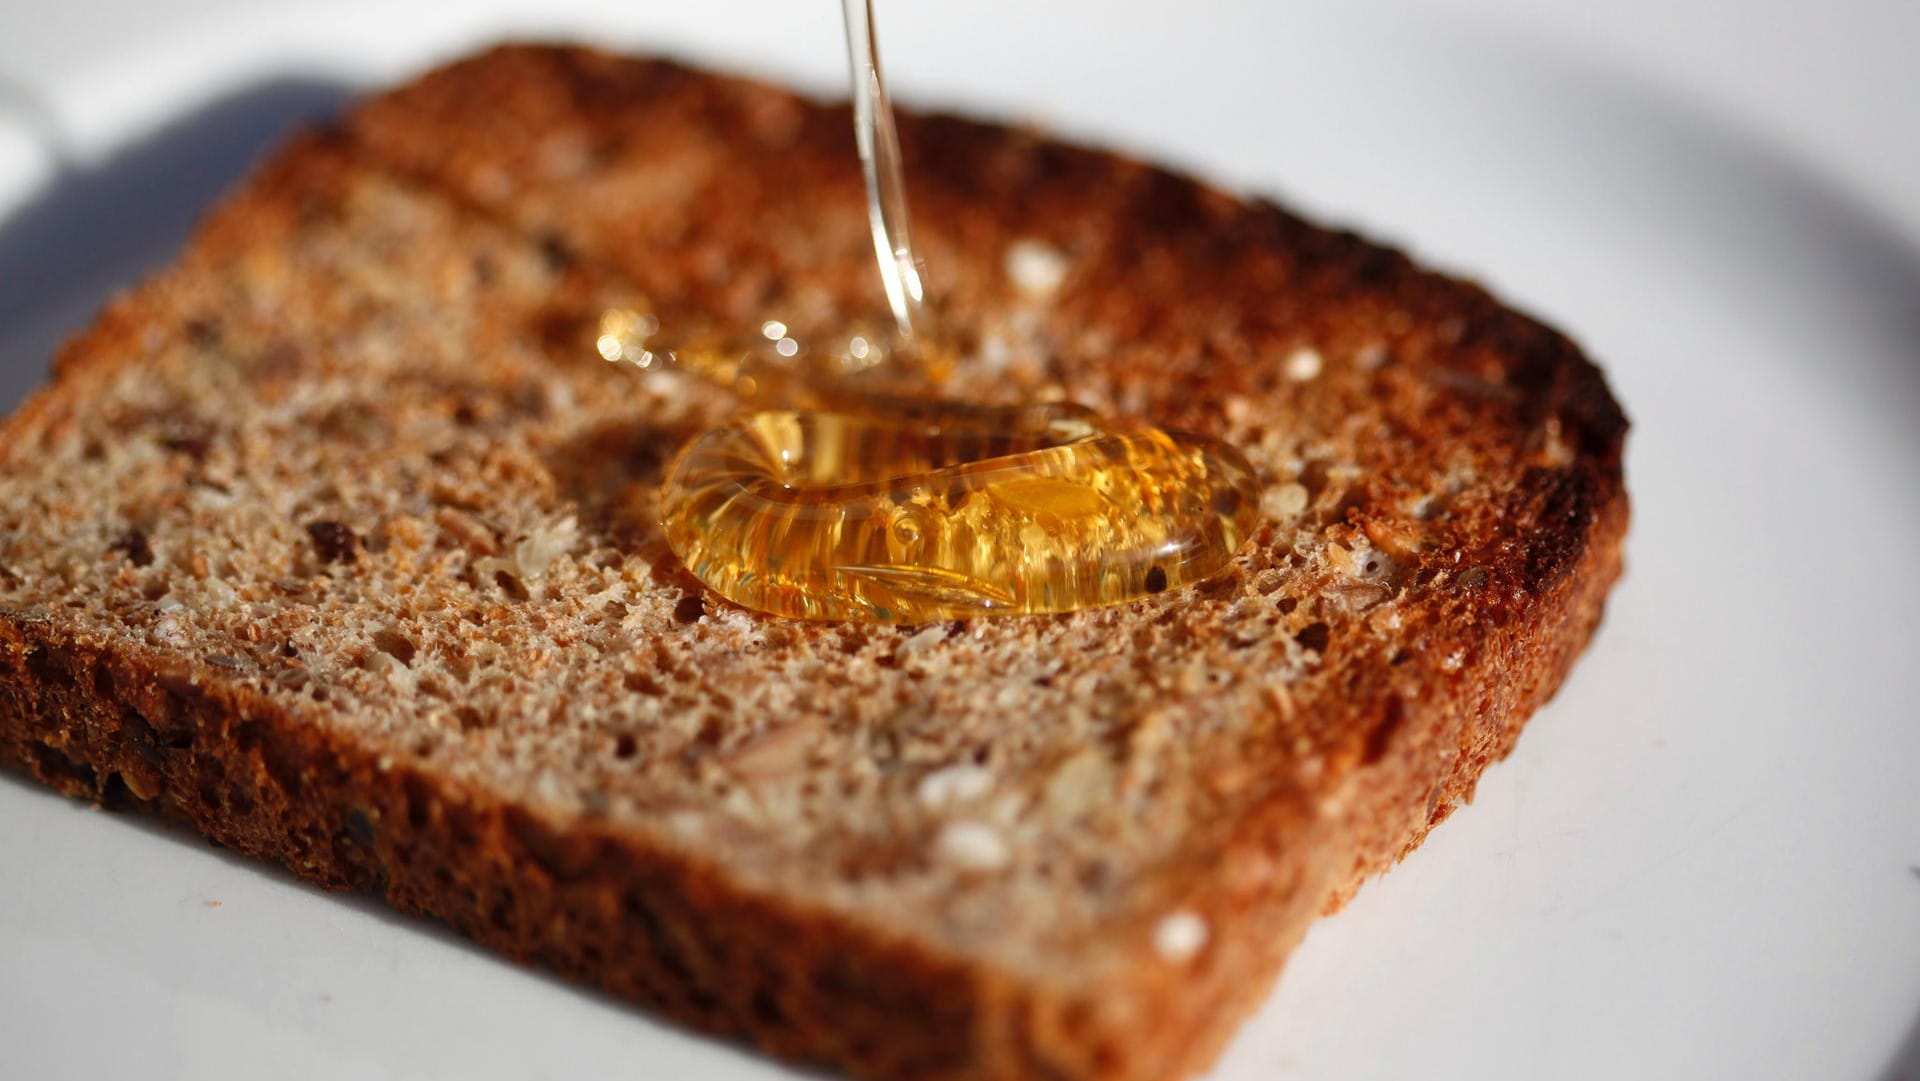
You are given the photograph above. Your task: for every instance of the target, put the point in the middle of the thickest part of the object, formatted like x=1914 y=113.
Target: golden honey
x=825 y=501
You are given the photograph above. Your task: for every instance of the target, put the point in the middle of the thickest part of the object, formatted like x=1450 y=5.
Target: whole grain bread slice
x=333 y=541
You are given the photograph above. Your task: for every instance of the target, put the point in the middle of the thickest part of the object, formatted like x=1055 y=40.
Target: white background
x=1704 y=859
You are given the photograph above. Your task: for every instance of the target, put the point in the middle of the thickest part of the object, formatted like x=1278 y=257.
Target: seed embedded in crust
x=952 y=785
x=972 y=846
x=1035 y=268
x=1304 y=364
x=1179 y=936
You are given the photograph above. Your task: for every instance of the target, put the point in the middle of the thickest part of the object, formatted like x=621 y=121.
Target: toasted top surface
x=355 y=455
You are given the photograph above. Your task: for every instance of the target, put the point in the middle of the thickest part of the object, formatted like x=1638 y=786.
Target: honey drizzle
x=878 y=144
x=826 y=501
x=829 y=501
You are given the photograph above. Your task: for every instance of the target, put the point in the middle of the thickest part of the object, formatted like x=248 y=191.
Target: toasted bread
x=333 y=542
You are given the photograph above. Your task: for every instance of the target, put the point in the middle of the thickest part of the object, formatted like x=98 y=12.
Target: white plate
x=1702 y=862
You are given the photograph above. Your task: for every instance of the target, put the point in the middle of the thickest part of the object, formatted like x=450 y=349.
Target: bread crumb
x=550 y=788
x=953 y=784
x=1333 y=803
x=1554 y=449
x=1151 y=732
x=213 y=904
x=1081 y=783
x=1036 y=269
x=972 y=846
x=216 y=593
x=1194 y=677
x=1285 y=501
x=390 y=667
x=778 y=749
x=543 y=546
x=994 y=354
x=1304 y=364
x=1008 y=809
x=467 y=531
x=534 y=555
x=1180 y=936
x=925 y=639
x=207 y=497
x=1339 y=558
x=686 y=824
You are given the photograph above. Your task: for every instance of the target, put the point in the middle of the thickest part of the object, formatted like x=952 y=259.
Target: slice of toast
x=334 y=542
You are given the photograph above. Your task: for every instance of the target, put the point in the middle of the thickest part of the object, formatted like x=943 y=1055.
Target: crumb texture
x=336 y=540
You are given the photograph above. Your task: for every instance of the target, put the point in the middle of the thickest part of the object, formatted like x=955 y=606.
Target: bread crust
x=145 y=728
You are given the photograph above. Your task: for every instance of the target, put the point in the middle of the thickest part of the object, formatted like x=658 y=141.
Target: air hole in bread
x=643 y=683
x=115 y=795
x=201 y=332
x=767 y=1009
x=511 y=586
x=60 y=771
x=358 y=828
x=395 y=645
x=1380 y=736
x=690 y=608
x=1313 y=477
x=1315 y=637
x=332 y=541
x=134 y=545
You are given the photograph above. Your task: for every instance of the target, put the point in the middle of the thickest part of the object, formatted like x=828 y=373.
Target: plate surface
x=1703 y=861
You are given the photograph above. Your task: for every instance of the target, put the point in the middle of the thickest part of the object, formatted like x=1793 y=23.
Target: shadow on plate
x=95 y=228
x=1833 y=270
x=1834 y=265
x=1840 y=270
x=1906 y=1061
